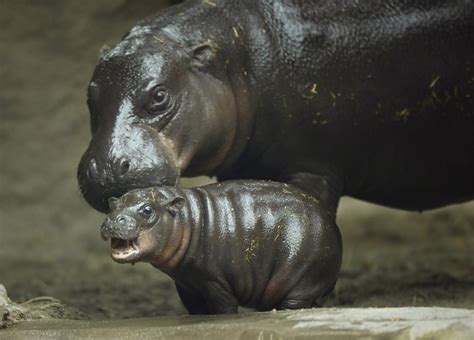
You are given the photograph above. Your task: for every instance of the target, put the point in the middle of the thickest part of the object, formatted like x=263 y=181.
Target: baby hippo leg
x=220 y=300
x=306 y=295
x=193 y=301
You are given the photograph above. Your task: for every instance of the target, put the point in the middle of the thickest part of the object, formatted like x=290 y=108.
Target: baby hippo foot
x=295 y=304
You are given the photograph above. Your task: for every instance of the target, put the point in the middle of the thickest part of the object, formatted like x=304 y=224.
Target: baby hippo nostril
x=121 y=219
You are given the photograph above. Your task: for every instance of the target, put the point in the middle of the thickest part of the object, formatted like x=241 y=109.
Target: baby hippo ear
x=113 y=203
x=204 y=55
x=175 y=205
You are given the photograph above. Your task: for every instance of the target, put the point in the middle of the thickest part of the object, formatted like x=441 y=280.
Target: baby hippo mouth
x=124 y=251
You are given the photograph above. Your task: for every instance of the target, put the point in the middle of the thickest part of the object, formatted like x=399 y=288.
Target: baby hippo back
x=262 y=241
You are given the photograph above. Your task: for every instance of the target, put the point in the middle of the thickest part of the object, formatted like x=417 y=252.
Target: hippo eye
x=160 y=99
x=147 y=211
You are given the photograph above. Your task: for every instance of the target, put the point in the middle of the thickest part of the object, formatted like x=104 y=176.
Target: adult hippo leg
x=327 y=188
x=194 y=302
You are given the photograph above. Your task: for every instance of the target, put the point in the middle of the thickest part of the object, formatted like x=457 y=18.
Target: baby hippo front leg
x=257 y=244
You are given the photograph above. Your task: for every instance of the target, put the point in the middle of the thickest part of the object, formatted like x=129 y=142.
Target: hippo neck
x=187 y=226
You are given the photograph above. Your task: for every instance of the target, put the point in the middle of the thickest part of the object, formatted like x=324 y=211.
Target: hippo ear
x=203 y=56
x=113 y=203
x=175 y=205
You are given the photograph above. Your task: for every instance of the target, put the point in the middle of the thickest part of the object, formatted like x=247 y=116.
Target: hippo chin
x=225 y=246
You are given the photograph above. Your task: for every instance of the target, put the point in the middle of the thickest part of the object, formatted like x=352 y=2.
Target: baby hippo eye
x=159 y=101
x=147 y=211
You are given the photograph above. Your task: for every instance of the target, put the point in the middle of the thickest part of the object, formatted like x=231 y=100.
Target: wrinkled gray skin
x=251 y=243
x=370 y=99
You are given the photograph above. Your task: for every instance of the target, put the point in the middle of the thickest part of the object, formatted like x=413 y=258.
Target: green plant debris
x=212 y=44
x=251 y=250
x=236 y=32
x=159 y=39
x=310 y=197
x=402 y=115
x=278 y=230
x=209 y=2
x=434 y=82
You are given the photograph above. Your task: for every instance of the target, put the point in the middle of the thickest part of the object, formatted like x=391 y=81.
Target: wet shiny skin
x=225 y=245
x=367 y=99
x=338 y=100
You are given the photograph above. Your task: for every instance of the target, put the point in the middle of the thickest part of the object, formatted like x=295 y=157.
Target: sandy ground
x=49 y=237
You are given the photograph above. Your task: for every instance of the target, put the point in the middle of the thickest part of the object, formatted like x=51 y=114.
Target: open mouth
x=124 y=250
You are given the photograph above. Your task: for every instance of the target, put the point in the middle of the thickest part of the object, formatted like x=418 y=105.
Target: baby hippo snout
x=121 y=226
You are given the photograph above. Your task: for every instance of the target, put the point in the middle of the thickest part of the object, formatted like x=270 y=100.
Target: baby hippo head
x=142 y=226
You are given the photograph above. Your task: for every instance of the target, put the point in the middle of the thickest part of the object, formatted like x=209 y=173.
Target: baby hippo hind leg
x=305 y=295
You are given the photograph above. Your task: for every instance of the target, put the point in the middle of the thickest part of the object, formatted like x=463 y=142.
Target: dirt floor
x=49 y=237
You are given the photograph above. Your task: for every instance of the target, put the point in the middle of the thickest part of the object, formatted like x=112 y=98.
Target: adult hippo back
x=372 y=99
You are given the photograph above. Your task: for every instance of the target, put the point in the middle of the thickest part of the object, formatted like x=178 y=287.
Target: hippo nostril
x=124 y=166
x=92 y=172
x=121 y=219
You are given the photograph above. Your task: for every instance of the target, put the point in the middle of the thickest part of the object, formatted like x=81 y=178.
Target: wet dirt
x=49 y=237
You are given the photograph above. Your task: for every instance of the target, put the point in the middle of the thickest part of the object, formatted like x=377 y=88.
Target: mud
x=49 y=237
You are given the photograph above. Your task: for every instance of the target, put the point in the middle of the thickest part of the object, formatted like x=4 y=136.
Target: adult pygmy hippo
x=371 y=99
x=225 y=245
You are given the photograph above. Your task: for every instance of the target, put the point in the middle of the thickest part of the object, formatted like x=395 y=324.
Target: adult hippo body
x=368 y=99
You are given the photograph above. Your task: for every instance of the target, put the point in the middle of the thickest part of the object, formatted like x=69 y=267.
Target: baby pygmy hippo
x=230 y=244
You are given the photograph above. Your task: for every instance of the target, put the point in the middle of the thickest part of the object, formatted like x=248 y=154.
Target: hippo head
x=159 y=107
x=140 y=228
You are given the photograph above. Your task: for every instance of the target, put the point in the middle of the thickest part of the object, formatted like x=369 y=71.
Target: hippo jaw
x=124 y=251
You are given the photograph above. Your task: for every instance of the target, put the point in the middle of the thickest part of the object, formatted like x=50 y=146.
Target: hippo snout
x=111 y=167
x=122 y=227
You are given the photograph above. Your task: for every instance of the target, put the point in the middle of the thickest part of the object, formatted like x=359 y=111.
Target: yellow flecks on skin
x=157 y=38
x=434 y=82
x=333 y=95
x=402 y=115
x=212 y=43
x=286 y=191
x=278 y=230
x=153 y=196
x=251 y=250
x=324 y=122
x=310 y=197
x=435 y=96
x=236 y=32
x=209 y=2
x=447 y=97
x=314 y=88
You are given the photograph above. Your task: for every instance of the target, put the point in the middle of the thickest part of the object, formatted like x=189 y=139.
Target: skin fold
x=225 y=246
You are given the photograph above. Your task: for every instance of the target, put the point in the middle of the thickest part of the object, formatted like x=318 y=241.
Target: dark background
x=49 y=237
